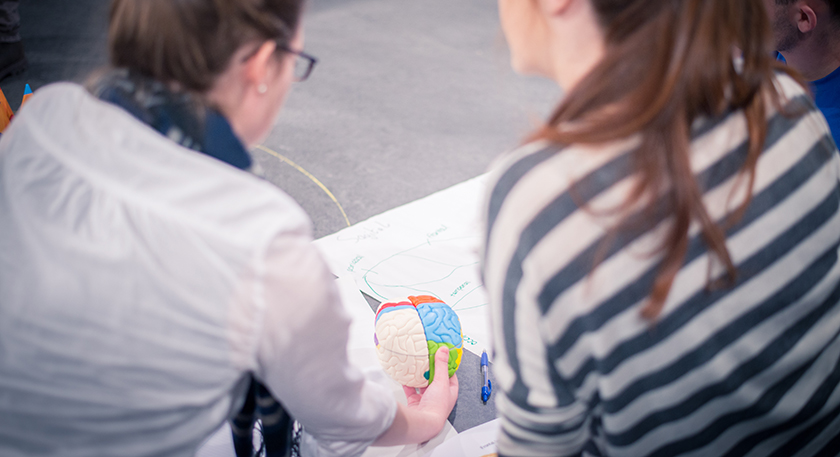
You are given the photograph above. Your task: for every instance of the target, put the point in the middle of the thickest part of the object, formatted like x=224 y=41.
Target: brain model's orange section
x=420 y=299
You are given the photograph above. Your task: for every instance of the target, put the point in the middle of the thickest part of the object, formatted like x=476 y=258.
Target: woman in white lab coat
x=146 y=276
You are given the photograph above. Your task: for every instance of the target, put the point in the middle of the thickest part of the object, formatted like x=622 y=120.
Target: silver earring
x=262 y=88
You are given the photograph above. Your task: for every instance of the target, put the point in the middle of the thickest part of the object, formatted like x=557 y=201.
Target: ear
x=806 y=18
x=556 y=7
x=256 y=67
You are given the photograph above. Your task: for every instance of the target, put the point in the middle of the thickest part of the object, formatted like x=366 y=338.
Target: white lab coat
x=140 y=281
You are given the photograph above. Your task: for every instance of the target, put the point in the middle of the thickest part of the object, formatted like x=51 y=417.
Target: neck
x=816 y=56
x=577 y=46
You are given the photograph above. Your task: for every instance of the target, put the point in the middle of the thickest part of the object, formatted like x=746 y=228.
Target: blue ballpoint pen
x=485 y=371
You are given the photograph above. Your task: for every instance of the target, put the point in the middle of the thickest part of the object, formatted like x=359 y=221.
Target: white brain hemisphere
x=402 y=347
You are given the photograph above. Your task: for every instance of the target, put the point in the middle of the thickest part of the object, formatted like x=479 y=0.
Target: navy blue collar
x=179 y=116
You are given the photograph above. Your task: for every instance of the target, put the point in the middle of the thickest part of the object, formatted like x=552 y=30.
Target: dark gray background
x=409 y=97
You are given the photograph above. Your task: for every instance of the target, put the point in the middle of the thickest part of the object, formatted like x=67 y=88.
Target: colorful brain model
x=410 y=331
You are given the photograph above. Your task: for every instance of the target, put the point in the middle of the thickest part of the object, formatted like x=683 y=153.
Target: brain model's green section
x=454 y=358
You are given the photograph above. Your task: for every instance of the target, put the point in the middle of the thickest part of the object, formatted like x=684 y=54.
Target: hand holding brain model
x=408 y=332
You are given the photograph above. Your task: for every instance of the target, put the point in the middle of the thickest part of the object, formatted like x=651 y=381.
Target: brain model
x=410 y=331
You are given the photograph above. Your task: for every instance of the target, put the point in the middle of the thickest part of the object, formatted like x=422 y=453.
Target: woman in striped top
x=661 y=258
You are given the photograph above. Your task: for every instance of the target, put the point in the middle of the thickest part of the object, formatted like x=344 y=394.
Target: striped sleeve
x=730 y=371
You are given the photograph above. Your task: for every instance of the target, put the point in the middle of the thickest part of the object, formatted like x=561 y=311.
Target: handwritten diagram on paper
x=429 y=246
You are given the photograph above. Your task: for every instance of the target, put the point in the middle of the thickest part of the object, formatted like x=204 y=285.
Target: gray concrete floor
x=409 y=97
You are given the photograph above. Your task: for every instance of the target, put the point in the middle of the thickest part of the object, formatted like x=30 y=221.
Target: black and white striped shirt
x=750 y=369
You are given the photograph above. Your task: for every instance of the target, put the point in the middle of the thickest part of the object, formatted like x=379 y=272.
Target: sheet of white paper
x=476 y=442
x=427 y=247
x=414 y=450
x=361 y=326
x=361 y=350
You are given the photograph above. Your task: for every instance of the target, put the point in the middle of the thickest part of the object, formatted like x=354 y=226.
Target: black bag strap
x=277 y=426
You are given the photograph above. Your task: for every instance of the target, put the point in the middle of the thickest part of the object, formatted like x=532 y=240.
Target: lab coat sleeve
x=302 y=355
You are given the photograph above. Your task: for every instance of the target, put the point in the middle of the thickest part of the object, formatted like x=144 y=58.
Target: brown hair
x=834 y=6
x=666 y=64
x=191 y=42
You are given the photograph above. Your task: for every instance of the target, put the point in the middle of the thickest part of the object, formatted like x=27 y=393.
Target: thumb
x=442 y=364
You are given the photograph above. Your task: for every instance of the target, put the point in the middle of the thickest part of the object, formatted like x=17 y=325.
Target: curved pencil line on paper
x=308 y=175
x=416 y=291
x=368 y=270
x=409 y=286
x=371 y=269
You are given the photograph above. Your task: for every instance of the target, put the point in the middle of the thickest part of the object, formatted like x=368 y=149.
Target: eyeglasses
x=304 y=63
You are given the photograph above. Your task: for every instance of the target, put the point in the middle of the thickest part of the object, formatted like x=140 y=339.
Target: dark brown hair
x=191 y=42
x=834 y=5
x=667 y=63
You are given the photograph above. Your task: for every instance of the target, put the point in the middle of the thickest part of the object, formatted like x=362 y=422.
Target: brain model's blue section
x=440 y=323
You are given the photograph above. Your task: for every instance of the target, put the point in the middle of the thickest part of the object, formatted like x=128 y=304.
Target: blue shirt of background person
x=807 y=37
x=827 y=98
